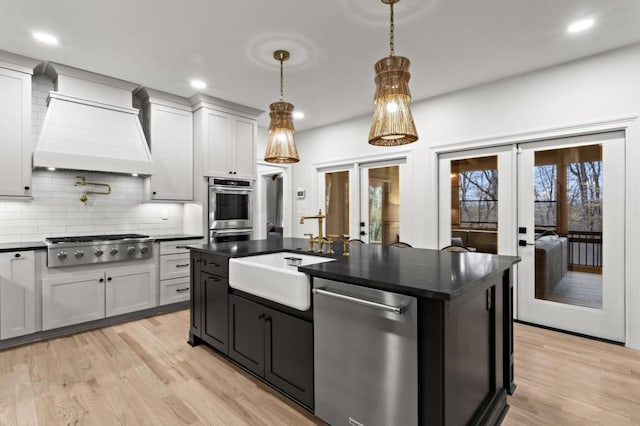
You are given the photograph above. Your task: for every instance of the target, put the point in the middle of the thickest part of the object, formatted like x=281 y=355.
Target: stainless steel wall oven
x=230 y=209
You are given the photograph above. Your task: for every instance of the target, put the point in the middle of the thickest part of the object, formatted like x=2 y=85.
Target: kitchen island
x=461 y=314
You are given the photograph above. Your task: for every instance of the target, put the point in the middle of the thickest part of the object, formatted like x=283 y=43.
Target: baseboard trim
x=91 y=325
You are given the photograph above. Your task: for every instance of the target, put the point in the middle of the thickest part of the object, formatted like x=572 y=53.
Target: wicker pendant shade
x=281 y=147
x=392 y=119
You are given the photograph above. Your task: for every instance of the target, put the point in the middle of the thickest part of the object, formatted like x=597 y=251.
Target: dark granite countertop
x=415 y=272
x=34 y=245
x=176 y=237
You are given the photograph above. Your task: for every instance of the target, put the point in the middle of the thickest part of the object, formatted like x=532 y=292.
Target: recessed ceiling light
x=298 y=115
x=51 y=169
x=134 y=174
x=581 y=25
x=198 y=84
x=46 y=38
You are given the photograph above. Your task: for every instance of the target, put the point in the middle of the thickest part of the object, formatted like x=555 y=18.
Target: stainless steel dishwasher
x=365 y=354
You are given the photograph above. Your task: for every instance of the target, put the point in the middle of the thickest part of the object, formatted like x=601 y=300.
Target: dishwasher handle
x=398 y=310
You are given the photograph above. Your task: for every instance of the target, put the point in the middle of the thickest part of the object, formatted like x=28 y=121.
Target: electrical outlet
x=165 y=214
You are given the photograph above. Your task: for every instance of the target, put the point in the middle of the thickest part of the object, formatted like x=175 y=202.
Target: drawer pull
x=182 y=290
x=184 y=265
x=217 y=265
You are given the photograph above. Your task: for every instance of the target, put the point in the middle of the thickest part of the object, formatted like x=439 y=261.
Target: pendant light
x=392 y=120
x=281 y=147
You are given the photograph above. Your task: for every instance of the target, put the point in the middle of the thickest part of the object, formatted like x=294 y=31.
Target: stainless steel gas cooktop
x=90 y=249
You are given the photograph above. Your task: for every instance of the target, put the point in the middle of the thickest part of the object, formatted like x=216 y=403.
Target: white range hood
x=91 y=125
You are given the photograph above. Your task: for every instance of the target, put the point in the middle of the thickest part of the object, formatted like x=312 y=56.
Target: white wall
x=588 y=91
x=57 y=211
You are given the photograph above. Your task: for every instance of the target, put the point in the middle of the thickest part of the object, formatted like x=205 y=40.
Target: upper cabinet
x=226 y=134
x=15 y=125
x=167 y=121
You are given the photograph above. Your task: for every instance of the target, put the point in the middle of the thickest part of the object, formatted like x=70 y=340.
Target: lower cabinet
x=215 y=316
x=72 y=299
x=75 y=297
x=130 y=289
x=17 y=294
x=273 y=345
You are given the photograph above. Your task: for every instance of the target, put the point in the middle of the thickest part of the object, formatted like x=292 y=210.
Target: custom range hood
x=90 y=125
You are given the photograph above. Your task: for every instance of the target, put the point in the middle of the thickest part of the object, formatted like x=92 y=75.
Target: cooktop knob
x=78 y=254
x=98 y=253
x=62 y=255
x=144 y=249
x=131 y=250
x=113 y=251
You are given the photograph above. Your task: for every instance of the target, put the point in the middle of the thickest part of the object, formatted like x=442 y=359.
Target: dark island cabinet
x=275 y=346
x=209 y=301
x=215 y=318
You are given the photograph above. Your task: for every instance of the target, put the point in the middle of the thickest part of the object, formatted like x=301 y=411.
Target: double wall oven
x=230 y=210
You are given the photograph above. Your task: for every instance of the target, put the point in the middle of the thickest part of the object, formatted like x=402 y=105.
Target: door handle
x=524 y=243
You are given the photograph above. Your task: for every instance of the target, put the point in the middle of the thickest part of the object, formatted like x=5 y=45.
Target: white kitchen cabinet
x=72 y=298
x=226 y=134
x=75 y=295
x=17 y=294
x=175 y=271
x=167 y=121
x=15 y=130
x=130 y=289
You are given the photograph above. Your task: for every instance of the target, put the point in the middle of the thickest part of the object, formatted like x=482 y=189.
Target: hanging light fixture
x=392 y=120
x=281 y=147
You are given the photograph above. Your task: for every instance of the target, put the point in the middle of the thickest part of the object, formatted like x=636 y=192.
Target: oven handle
x=219 y=190
x=230 y=231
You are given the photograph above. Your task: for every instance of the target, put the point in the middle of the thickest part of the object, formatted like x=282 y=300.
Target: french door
x=571 y=234
x=559 y=205
x=363 y=200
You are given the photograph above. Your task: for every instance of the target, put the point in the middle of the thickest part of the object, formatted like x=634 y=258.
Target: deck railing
x=585 y=249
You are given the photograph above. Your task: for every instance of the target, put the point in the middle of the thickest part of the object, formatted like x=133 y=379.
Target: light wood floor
x=143 y=372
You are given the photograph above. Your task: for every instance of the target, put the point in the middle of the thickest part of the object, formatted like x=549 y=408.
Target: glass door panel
x=380 y=204
x=474 y=203
x=568 y=201
x=571 y=212
x=336 y=185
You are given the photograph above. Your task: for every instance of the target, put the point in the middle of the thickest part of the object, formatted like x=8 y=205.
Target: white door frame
x=631 y=126
x=265 y=169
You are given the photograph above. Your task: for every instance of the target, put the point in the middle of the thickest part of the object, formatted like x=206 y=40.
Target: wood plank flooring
x=144 y=373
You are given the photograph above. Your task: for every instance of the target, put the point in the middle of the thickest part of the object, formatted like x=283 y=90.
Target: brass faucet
x=319 y=239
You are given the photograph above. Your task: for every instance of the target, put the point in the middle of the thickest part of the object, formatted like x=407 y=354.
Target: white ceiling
x=452 y=44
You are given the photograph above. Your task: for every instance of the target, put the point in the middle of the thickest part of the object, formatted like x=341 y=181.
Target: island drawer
x=174 y=266
x=174 y=291
x=215 y=265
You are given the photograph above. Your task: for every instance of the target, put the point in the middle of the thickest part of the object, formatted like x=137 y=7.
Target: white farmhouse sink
x=268 y=276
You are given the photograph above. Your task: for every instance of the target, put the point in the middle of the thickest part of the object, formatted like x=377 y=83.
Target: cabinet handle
x=182 y=290
x=26 y=188
x=184 y=265
x=17 y=255
x=216 y=279
x=261 y=316
x=154 y=192
x=109 y=279
x=101 y=280
x=235 y=173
